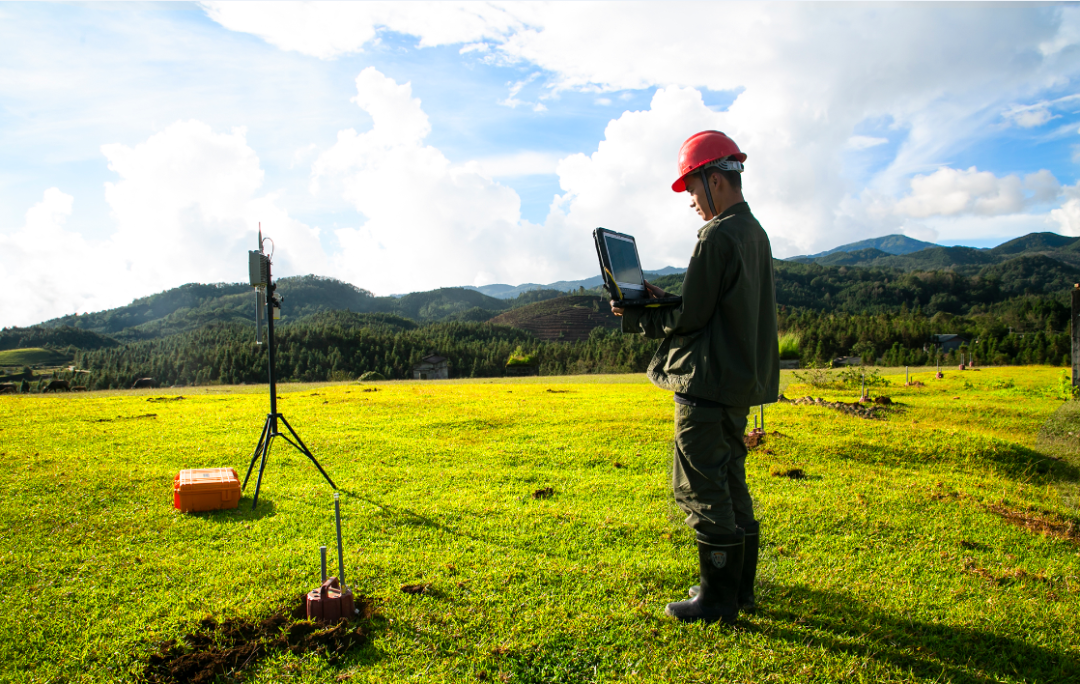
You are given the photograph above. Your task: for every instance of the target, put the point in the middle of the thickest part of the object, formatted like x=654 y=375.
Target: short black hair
x=734 y=178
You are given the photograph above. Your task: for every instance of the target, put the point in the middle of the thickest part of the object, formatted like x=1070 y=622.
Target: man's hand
x=654 y=291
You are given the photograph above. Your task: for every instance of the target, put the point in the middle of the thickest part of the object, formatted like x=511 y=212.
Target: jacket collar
x=738 y=208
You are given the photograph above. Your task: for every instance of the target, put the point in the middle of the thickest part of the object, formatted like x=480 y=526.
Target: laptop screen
x=624 y=260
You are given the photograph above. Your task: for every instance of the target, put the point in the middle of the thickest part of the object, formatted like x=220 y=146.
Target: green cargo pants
x=709 y=470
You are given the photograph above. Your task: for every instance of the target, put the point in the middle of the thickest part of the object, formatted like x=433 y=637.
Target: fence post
x=1076 y=335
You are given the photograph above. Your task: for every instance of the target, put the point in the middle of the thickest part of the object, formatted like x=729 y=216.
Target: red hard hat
x=702 y=148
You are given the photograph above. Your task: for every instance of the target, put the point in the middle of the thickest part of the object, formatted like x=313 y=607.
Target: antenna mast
x=266 y=302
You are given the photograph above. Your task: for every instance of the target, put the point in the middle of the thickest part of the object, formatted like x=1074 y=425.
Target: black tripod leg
x=305 y=451
x=258 y=450
x=262 y=467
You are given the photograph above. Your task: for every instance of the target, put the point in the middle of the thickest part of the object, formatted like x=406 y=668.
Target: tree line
x=342 y=346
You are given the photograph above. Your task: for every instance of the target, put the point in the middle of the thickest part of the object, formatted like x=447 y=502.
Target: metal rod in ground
x=761 y=410
x=322 y=554
x=340 y=552
x=907 y=379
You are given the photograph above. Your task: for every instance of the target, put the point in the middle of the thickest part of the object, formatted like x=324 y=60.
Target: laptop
x=621 y=269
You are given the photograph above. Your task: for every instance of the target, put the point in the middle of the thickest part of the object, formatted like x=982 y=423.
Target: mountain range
x=898 y=251
x=508 y=291
x=848 y=278
x=890 y=244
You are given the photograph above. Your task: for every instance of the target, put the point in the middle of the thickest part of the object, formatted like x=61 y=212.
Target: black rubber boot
x=747 y=604
x=720 y=561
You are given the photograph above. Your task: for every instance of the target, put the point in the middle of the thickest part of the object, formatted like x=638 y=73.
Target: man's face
x=698 y=201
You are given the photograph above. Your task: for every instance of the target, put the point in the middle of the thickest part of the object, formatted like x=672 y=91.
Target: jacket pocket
x=684 y=353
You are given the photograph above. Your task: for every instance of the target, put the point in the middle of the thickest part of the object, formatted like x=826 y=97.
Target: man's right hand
x=614 y=309
x=654 y=291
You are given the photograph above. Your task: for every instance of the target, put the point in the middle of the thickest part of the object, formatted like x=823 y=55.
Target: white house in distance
x=433 y=367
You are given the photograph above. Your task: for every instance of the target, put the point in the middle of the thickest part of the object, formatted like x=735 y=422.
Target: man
x=719 y=356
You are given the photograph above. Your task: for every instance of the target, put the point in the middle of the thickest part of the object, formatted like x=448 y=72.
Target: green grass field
x=939 y=544
x=32 y=356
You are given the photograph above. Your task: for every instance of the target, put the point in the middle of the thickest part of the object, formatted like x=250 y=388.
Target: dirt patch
x=1040 y=524
x=545 y=493
x=754 y=438
x=414 y=589
x=139 y=417
x=155 y=399
x=859 y=410
x=1005 y=577
x=792 y=473
x=558 y=391
x=222 y=649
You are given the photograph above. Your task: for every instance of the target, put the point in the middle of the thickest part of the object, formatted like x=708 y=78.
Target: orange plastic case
x=206 y=489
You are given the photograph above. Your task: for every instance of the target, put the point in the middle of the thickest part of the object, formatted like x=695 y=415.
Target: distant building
x=948 y=343
x=432 y=367
x=846 y=361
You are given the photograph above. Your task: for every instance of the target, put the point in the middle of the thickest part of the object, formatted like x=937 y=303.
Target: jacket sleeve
x=709 y=270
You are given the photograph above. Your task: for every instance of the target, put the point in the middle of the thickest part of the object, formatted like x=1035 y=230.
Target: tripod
x=270 y=428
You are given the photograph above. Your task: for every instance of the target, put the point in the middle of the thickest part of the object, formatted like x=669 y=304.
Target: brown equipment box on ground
x=206 y=489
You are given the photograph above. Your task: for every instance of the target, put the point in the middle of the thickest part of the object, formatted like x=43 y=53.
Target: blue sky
x=403 y=146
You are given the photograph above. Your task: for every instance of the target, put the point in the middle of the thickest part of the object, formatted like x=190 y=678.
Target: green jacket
x=720 y=343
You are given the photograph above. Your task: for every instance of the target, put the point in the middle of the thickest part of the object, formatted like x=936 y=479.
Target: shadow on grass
x=842 y=624
x=241 y=513
x=411 y=517
x=1006 y=459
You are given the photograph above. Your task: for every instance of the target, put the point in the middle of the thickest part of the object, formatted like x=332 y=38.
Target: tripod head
x=259 y=276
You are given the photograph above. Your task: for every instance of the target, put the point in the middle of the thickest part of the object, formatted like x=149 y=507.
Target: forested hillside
x=341 y=346
x=1013 y=312
x=566 y=319
x=194 y=306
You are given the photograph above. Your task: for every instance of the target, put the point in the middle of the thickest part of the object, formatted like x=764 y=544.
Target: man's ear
x=717 y=183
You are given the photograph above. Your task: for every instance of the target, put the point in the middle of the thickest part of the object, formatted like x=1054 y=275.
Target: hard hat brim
x=680 y=184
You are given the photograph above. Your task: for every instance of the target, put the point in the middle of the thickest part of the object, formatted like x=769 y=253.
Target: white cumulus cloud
x=185 y=208
x=427 y=222
x=192 y=194
x=1066 y=218
x=46 y=267
x=800 y=99
x=950 y=192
